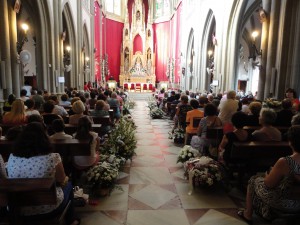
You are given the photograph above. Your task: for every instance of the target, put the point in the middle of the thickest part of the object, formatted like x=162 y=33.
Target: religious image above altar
x=137 y=56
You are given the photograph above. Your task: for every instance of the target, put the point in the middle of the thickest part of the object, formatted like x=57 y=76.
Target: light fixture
x=21 y=43
x=87 y=59
x=210 y=54
x=253 y=51
x=67 y=58
x=25 y=27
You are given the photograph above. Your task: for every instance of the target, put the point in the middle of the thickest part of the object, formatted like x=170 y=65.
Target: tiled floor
x=154 y=190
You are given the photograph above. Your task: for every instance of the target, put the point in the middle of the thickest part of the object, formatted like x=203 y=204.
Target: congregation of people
x=37 y=118
x=232 y=113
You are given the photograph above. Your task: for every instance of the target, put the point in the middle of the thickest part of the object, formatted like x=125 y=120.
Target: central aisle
x=155 y=192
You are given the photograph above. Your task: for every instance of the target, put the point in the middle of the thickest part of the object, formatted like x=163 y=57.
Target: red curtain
x=137 y=44
x=114 y=35
x=162 y=43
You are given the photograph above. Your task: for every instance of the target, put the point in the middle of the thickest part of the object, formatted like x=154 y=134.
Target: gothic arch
x=69 y=29
x=39 y=18
x=189 y=64
x=206 y=45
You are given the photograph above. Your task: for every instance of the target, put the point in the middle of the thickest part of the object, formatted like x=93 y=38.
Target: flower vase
x=101 y=191
x=178 y=140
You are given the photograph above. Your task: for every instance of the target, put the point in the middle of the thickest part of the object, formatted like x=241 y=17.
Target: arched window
x=162 y=8
x=113 y=6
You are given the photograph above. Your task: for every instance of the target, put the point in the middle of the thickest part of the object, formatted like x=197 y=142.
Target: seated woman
x=270 y=192
x=190 y=119
x=182 y=108
x=267 y=118
x=30 y=108
x=84 y=132
x=32 y=157
x=78 y=108
x=211 y=120
x=104 y=98
x=253 y=116
x=58 y=127
x=284 y=116
x=101 y=112
x=238 y=134
x=8 y=104
x=17 y=114
x=114 y=103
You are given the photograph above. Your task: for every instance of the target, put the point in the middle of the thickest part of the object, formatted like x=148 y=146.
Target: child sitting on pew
x=58 y=127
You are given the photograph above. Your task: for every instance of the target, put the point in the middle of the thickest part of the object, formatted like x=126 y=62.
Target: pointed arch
x=206 y=45
x=137 y=44
x=190 y=53
x=69 y=28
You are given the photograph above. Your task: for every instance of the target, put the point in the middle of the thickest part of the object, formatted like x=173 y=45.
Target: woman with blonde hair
x=17 y=114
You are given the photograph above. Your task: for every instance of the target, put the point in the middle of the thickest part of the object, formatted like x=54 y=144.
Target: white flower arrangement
x=103 y=174
x=186 y=153
x=156 y=113
x=203 y=171
x=121 y=141
x=177 y=135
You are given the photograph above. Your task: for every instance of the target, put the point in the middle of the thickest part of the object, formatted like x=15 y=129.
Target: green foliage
x=122 y=141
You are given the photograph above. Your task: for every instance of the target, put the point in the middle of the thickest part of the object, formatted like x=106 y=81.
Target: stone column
x=79 y=45
x=264 y=47
x=5 y=47
x=58 y=68
x=295 y=67
x=15 y=64
x=272 y=47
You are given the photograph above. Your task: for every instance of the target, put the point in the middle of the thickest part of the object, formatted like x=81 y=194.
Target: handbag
x=213 y=150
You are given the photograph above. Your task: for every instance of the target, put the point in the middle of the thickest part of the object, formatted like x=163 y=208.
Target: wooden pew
x=251 y=129
x=65 y=148
x=217 y=132
x=102 y=120
x=214 y=133
x=259 y=156
x=17 y=193
x=71 y=129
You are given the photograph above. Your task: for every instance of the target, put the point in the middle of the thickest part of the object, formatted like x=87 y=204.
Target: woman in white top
x=33 y=158
x=30 y=108
x=84 y=132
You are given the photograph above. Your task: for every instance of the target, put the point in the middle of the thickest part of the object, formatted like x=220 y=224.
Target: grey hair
x=296 y=119
x=268 y=116
x=231 y=94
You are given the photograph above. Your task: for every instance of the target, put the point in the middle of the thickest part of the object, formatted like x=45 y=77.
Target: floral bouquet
x=129 y=119
x=152 y=103
x=272 y=103
x=177 y=135
x=115 y=161
x=103 y=175
x=156 y=113
x=129 y=104
x=203 y=171
x=121 y=141
x=186 y=153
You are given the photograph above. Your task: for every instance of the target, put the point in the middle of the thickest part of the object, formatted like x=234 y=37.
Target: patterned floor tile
x=153 y=196
x=157 y=217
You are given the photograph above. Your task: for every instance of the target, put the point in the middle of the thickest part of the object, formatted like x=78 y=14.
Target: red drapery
x=137 y=44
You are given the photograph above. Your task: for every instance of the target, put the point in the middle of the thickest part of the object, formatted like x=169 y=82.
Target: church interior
x=143 y=51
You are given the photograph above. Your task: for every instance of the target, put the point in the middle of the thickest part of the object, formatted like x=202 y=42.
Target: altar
x=137 y=68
